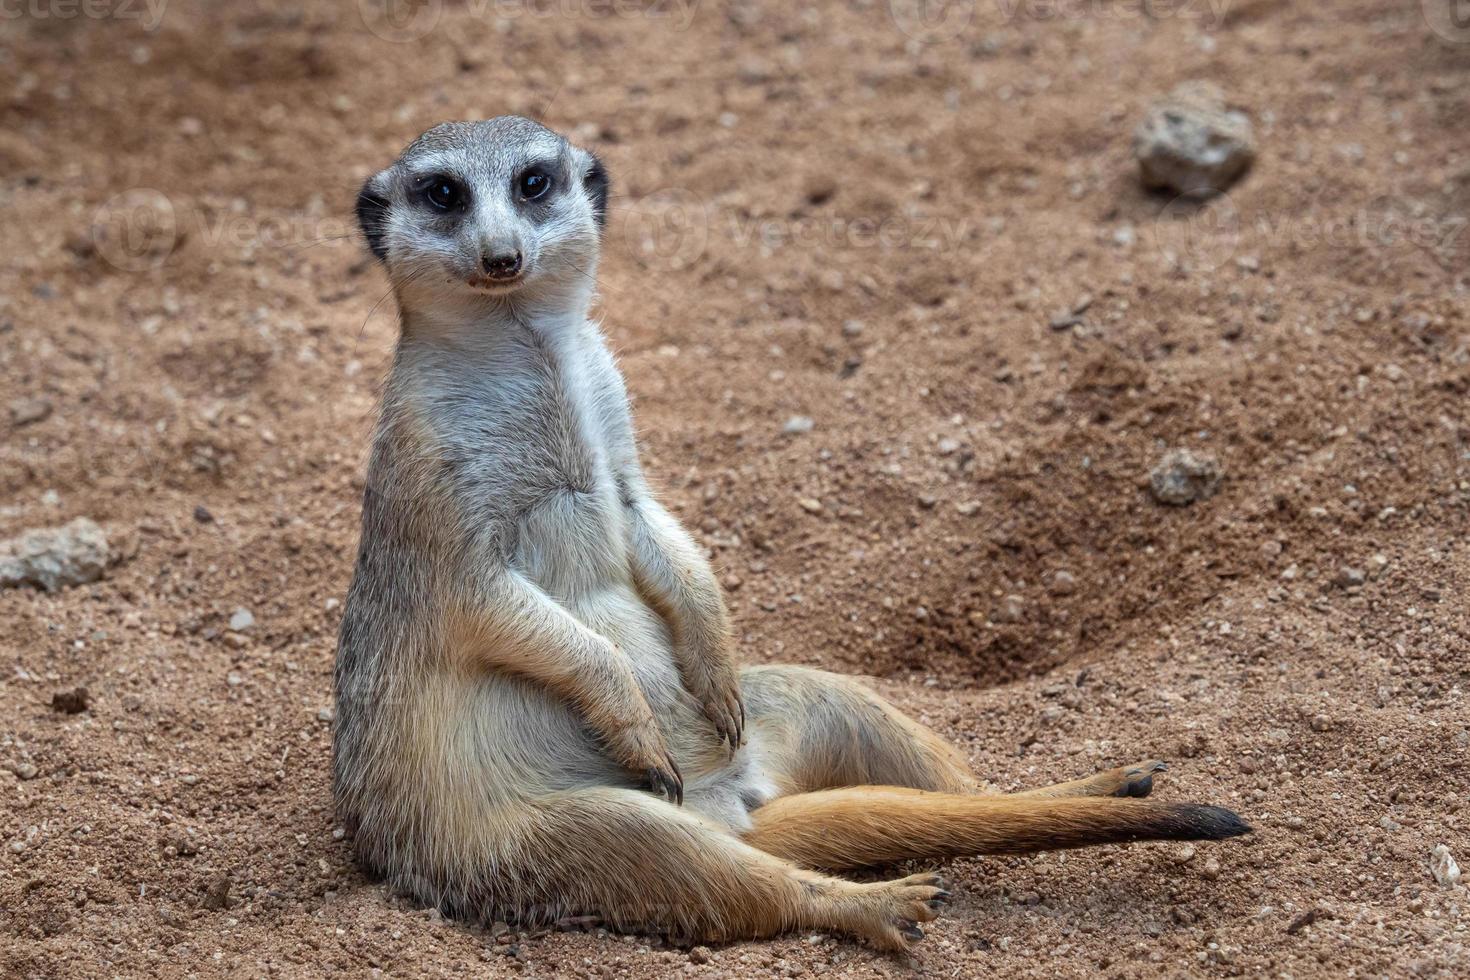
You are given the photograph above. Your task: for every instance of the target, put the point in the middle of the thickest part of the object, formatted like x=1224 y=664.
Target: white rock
x=1191 y=144
x=1442 y=865
x=798 y=425
x=55 y=557
x=241 y=619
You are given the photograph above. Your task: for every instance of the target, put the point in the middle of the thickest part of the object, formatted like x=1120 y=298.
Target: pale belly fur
x=509 y=738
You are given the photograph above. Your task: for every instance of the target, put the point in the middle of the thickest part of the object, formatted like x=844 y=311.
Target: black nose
x=506 y=266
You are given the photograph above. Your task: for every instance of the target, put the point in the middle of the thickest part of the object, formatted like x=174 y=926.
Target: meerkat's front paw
x=718 y=692
x=642 y=749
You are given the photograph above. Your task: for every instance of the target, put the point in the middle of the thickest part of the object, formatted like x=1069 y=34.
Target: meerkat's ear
x=596 y=183
x=372 y=216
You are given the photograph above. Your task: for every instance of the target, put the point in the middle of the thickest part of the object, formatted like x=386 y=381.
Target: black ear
x=372 y=217
x=596 y=183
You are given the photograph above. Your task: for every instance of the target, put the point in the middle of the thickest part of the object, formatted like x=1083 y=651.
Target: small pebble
x=1442 y=865
x=798 y=425
x=1012 y=609
x=241 y=620
x=70 y=702
x=1063 y=583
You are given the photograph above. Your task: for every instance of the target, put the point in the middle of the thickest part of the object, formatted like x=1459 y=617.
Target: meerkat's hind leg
x=868 y=826
x=1136 y=780
x=639 y=862
x=820 y=730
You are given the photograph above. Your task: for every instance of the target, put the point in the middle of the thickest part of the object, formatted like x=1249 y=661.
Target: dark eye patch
x=596 y=183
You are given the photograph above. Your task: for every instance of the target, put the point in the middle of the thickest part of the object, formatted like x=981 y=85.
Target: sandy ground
x=846 y=213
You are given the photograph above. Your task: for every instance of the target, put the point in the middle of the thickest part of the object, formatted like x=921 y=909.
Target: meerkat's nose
x=503 y=265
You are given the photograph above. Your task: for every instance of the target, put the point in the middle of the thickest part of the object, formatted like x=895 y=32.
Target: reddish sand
x=816 y=215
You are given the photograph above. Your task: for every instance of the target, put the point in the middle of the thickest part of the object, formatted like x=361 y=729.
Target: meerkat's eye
x=444 y=193
x=534 y=184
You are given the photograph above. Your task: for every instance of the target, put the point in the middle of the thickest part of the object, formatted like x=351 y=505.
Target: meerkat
x=539 y=714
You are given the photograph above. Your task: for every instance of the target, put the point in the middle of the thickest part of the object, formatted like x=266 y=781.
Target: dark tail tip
x=1197 y=821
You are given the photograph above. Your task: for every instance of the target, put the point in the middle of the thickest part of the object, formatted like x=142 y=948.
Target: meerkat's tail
x=866 y=826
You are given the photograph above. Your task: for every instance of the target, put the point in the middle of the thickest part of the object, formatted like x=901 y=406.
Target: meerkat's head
x=476 y=211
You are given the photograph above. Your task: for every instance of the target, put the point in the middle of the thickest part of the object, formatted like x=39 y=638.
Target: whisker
x=391 y=288
x=587 y=275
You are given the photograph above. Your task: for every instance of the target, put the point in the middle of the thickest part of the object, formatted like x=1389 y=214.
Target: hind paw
x=1136 y=780
x=892 y=912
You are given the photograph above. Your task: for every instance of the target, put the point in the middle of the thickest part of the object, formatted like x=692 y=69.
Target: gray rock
x=1063 y=583
x=26 y=411
x=241 y=620
x=52 y=558
x=1182 y=477
x=1192 y=144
